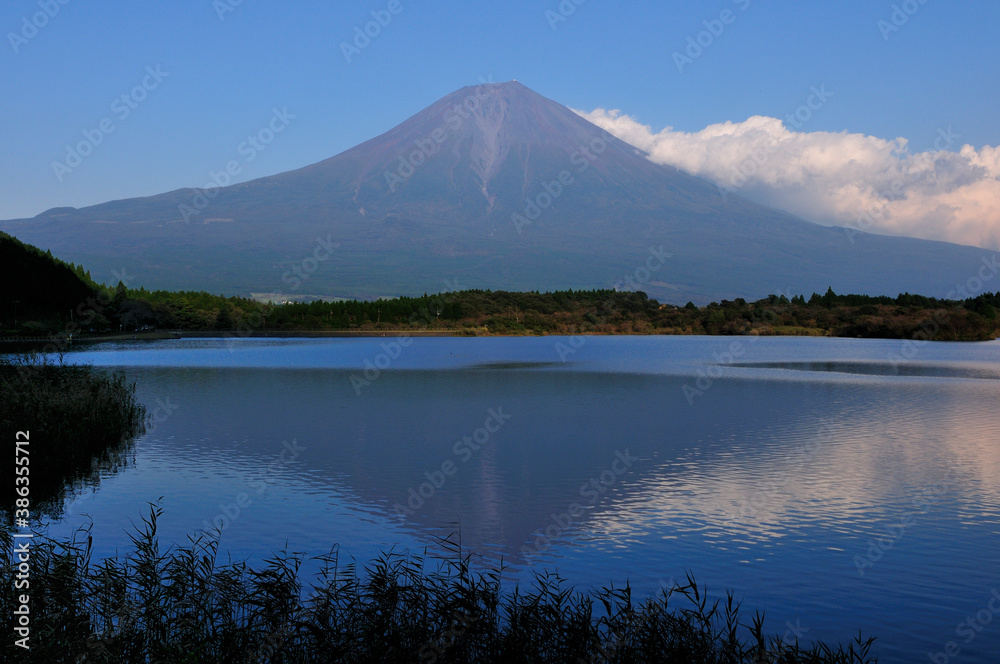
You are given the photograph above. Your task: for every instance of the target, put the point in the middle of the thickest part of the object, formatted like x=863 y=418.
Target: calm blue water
x=836 y=484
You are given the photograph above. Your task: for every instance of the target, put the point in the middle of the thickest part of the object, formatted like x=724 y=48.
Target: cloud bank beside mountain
x=950 y=193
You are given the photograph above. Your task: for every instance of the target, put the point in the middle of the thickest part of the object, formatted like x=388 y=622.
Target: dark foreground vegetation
x=182 y=606
x=47 y=298
x=78 y=420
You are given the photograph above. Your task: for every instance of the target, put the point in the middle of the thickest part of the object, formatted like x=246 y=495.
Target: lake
x=837 y=484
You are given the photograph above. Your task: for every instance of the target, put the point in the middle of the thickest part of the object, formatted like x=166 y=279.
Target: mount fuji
x=494 y=187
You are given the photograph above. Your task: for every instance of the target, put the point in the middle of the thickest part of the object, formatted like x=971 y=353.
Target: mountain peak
x=493 y=138
x=512 y=84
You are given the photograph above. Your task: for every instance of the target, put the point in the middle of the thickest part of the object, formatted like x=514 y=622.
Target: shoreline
x=321 y=334
x=162 y=335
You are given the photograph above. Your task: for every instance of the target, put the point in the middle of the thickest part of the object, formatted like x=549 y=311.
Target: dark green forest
x=50 y=297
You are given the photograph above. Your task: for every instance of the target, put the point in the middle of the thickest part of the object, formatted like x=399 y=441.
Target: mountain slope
x=493 y=186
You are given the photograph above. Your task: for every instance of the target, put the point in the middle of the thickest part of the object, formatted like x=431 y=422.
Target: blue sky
x=226 y=71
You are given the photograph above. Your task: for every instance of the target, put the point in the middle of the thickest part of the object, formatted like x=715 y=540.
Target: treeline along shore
x=49 y=299
x=156 y=314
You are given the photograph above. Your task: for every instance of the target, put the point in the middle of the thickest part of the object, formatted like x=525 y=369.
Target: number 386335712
x=21 y=458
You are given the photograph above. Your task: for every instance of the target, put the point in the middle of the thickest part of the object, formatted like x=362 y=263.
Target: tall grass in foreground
x=182 y=606
x=80 y=419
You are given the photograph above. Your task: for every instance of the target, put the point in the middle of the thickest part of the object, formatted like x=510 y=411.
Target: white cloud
x=835 y=178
